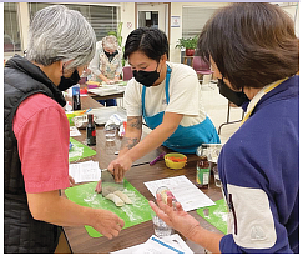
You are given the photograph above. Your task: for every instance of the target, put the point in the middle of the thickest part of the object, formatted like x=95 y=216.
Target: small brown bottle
x=202 y=178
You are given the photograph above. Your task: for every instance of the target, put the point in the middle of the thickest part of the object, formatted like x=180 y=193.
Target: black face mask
x=237 y=98
x=146 y=78
x=110 y=56
x=67 y=82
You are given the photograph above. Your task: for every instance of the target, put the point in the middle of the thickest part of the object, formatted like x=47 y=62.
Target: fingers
x=179 y=206
x=117 y=170
x=72 y=181
x=161 y=214
x=98 y=187
x=121 y=222
x=170 y=201
x=119 y=174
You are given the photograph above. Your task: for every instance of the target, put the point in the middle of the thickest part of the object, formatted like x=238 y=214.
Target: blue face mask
x=147 y=78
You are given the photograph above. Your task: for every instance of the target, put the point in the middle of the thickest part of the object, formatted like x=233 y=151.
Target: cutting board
x=134 y=214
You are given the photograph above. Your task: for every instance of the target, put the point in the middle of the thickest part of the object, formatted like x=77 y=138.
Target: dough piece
x=117 y=200
x=123 y=197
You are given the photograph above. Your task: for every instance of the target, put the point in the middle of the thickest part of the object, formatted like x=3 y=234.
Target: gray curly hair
x=58 y=33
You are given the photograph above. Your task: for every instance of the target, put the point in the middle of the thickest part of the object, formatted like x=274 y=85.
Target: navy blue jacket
x=259 y=169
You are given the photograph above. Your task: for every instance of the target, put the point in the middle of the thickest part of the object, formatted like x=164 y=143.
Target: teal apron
x=185 y=139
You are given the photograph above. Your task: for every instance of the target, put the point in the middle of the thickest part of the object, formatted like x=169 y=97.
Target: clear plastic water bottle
x=160 y=227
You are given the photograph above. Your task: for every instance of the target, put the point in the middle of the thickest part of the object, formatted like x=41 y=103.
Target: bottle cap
x=90 y=118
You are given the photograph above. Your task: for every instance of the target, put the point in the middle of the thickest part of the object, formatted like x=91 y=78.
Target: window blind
x=102 y=18
x=12 y=40
x=194 y=18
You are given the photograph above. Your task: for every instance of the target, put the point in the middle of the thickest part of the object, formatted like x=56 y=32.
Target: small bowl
x=175 y=161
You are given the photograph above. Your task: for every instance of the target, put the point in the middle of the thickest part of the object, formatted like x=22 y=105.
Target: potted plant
x=190 y=44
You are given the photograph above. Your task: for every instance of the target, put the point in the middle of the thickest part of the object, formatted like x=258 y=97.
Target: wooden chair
x=127 y=73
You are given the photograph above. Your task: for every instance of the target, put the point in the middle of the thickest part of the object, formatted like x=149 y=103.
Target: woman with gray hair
x=107 y=63
x=61 y=44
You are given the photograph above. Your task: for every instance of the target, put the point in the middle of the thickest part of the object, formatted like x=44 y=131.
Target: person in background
x=107 y=63
x=253 y=45
x=167 y=96
x=36 y=141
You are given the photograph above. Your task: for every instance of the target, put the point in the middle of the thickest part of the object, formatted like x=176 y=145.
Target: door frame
x=167 y=22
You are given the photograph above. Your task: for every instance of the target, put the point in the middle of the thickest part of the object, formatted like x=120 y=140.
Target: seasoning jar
x=91 y=131
x=202 y=178
x=76 y=97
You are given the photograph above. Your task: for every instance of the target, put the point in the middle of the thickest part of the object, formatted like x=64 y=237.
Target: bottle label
x=202 y=176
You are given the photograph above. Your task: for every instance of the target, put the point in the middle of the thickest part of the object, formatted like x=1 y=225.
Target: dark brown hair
x=152 y=42
x=252 y=44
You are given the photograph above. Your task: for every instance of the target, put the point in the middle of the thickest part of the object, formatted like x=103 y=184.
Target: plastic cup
x=160 y=227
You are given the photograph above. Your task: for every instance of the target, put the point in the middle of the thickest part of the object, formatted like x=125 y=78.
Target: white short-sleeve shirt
x=185 y=96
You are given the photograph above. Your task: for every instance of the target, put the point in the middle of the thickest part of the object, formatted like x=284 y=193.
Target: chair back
x=199 y=64
x=127 y=73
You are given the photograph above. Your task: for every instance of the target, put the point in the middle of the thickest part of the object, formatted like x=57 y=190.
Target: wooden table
x=81 y=242
x=185 y=58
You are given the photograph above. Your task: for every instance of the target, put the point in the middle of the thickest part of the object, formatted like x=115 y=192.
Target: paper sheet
x=154 y=245
x=85 y=171
x=190 y=197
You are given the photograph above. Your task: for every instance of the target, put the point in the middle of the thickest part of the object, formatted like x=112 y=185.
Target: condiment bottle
x=202 y=178
x=91 y=131
x=76 y=97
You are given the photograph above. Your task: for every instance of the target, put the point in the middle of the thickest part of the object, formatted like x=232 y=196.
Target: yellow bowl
x=175 y=165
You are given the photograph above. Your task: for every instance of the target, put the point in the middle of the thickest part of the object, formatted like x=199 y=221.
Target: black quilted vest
x=23 y=234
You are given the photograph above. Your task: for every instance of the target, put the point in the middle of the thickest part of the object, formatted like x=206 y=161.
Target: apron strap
x=143 y=100
x=167 y=85
x=167 y=91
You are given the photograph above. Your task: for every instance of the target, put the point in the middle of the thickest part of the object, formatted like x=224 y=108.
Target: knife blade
x=108 y=183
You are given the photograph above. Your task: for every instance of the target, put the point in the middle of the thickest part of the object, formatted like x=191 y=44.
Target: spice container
x=76 y=97
x=202 y=178
x=91 y=131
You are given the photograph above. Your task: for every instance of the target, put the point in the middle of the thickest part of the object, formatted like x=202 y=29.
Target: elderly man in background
x=107 y=63
x=61 y=44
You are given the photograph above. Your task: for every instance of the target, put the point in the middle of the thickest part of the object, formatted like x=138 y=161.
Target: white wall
x=176 y=32
x=127 y=17
x=292 y=12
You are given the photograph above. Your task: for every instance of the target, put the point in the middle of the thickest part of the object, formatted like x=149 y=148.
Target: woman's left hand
x=176 y=217
x=120 y=166
x=72 y=181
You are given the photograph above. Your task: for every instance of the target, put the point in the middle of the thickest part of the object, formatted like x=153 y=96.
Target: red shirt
x=42 y=132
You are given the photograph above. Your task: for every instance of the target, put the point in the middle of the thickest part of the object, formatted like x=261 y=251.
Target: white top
x=185 y=96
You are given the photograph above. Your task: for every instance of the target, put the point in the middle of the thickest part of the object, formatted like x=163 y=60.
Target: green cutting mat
x=134 y=214
x=217 y=215
x=79 y=151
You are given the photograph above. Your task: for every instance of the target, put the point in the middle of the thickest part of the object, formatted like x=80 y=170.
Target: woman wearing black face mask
x=107 y=63
x=68 y=81
x=167 y=96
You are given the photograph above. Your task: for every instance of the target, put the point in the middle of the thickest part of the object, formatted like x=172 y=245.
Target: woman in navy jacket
x=253 y=47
